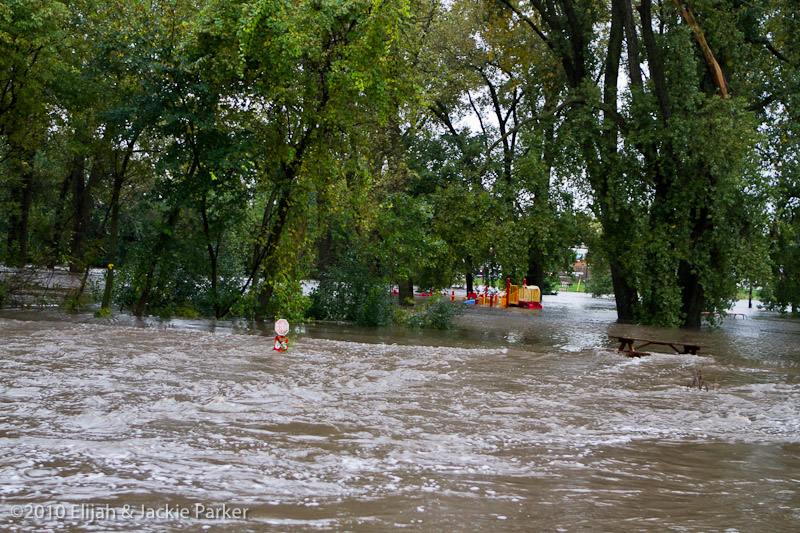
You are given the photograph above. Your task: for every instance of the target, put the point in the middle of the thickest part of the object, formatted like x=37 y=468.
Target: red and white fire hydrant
x=281 y=342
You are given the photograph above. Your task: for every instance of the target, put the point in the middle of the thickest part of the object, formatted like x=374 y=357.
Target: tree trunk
x=78 y=240
x=58 y=229
x=324 y=253
x=24 y=216
x=271 y=263
x=406 y=292
x=470 y=284
x=112 y=241
x=213 y=254
x=657 y=73
x=21 y=194
x=535 y=274
x=624 y=294
x=692 y=296
x=158 y=249
x=82 y=205
x=632 y=41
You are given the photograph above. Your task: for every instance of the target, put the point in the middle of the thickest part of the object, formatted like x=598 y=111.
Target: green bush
x=600 y=284
x=75 y=300
x=287 y=300
x=351 y=292
x=550 y=286
x=376 y=310
x=439 y=313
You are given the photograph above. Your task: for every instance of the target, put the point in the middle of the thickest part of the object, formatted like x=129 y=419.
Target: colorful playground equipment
x=527 y=296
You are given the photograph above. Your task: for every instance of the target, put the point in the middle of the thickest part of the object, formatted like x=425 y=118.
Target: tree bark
x=632 y=41
x=657 y=73
x=692 y=292
x=22 y=194
x=79 y=213
x=271 y=263
x=692 y=295
x=113 y=232
x=24 y=217
x=624 y=293
x=406 y=292
x=82 y=205
x=324 y=252
x=535 y=273
x=614 y=214
x=155 y=256
x=213 y=255
x=58 y=229
x=120 y=175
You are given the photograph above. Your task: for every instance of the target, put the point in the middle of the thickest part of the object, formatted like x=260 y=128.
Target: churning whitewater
x=533 y=422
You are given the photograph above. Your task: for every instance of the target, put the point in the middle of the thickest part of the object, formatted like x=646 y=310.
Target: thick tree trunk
x=606 y=175
x=214 y=281
x=632 y=41
x=272 y=262
x=470 y=283
x=13 y=223
x=82 y=205
x=624 y=294
x=657 y=73
x=692 y=296
x=661 y=165
x=535 y=274
x=406 y=292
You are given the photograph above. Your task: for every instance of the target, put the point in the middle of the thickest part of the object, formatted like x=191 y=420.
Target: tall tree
x=322 y=73
x=30 y=39
x=661 y=197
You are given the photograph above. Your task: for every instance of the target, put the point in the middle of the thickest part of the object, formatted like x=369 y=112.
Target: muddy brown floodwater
x=517 y=421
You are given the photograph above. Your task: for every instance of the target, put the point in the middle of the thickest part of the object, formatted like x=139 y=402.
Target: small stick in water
x=697 y=379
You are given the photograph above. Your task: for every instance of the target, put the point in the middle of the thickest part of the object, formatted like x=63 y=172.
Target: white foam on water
x=121 y=412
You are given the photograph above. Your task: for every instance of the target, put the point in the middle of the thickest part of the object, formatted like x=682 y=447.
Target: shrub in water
x=350 y=292
x=439 y=313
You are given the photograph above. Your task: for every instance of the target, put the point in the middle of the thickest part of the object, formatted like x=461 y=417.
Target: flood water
x=517 y=421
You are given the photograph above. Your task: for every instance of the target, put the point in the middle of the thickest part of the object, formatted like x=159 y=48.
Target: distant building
x=580 y=269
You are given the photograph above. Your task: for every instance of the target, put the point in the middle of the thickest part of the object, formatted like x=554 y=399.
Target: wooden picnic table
x=627 y=344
